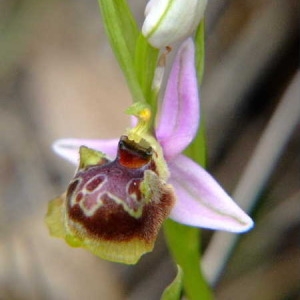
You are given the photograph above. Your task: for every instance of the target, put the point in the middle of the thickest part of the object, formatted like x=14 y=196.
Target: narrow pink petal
x=69 y=148
x=201 y=201
x=179 y=116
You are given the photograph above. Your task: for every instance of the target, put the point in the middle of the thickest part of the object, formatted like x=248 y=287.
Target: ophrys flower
x=120 y=204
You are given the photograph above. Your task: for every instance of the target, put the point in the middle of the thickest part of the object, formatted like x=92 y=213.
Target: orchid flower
x=117 y=201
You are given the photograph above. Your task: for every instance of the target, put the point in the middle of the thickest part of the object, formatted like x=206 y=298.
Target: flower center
x=133 y=155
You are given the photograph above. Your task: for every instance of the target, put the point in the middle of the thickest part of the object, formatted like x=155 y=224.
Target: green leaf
x=128 y=25
x=200 y=50
x=184 y=243
x=173 y=291
x=122 y=32
x=145 y=65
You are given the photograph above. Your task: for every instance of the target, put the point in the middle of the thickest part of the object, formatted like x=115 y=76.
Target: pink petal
x=179 y=119
x=69 y=148
x=201 y=201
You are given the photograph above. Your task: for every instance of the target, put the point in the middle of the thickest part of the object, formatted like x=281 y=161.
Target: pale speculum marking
x=89 y=201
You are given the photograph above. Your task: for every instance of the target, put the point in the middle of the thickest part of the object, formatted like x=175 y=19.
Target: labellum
x=114 y=208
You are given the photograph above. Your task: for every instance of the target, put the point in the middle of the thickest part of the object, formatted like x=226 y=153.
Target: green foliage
x=184 y=243
x=136 y=57
x=145 y=65
x=173 y=291
x=200 y=50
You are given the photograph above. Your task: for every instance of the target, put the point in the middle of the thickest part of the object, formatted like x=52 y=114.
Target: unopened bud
x=168 y=21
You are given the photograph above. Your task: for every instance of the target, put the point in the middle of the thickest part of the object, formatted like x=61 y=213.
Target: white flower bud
x=167 y=21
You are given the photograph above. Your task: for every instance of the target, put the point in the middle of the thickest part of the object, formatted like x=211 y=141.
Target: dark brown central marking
x=112 y=223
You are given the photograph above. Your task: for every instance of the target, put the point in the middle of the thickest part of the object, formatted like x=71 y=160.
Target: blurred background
x=58 y=78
